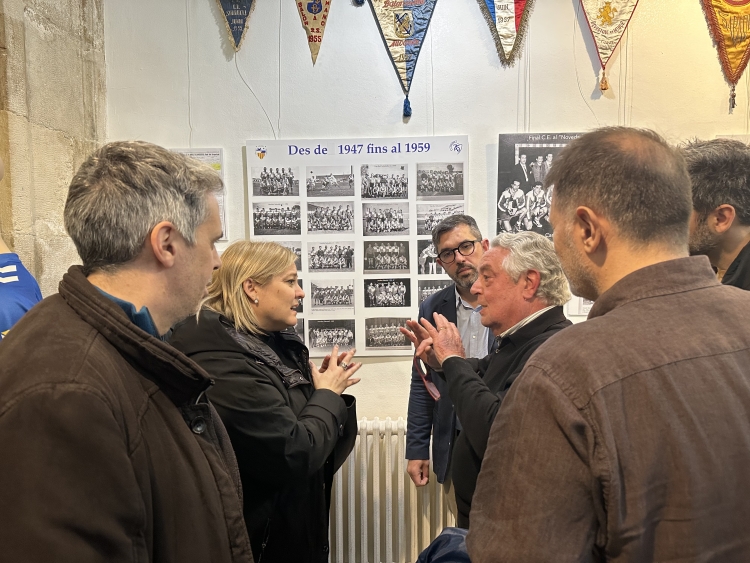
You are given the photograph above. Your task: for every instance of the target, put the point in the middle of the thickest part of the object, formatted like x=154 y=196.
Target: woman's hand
x=335 y=371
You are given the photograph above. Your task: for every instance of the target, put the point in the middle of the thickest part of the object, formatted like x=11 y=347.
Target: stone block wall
x=52 y=115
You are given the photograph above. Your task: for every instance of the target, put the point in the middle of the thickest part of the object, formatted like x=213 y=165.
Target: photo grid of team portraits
x=358 y=215
x=523 y=162
x=382 y=333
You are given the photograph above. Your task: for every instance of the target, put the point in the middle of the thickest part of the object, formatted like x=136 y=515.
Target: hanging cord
x=432 y=83
x=189 y=96
x=575 y=63
x=254 y=96
x=278 y=121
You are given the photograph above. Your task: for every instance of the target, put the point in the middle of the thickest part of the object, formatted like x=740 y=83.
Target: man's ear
x=590 y=228
x=485 y=244
x=162 y=240
x=722 y=218
x=531 y=279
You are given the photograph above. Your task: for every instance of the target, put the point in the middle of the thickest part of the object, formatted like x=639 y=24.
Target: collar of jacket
x=738 y=273
x=535 y=327
x=263 y=352
x=181 y=379
x=663 y=278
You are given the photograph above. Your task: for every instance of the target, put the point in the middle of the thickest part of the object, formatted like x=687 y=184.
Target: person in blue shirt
x=19 y=291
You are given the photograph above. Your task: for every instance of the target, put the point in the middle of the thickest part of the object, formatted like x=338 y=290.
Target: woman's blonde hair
x=259 y=261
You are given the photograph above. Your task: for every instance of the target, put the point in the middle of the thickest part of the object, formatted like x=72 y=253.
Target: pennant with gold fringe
x=729 y=23
x=607 y=20
x=403 y=25
x=236 y=15
x=507 y=20
x=314 y=16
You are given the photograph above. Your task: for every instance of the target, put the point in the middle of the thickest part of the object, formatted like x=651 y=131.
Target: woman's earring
x=256 y=301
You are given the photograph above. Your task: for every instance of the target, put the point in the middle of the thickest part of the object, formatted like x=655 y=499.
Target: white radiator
x=377 y=514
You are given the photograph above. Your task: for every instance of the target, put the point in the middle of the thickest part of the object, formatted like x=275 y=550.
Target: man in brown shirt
x=627 y=437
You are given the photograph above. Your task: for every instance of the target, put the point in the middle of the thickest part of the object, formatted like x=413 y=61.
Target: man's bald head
x=630 y=176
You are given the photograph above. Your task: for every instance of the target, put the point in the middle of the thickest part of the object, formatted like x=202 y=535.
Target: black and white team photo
x=383 y=332
x=440 y=181
x=324 y=335
x=329 y=181
x=430 y=214
x=296 y=247
x=427 y=258
x=392 y=292
x=523 y=164
x=276 y=219
x=428 y=288
x=330 y=217
x=384 y=181
x=330 y=257
x=332 y=294
x=518 y=211
x=275 y=181
x=386 y=257
x=383 y=219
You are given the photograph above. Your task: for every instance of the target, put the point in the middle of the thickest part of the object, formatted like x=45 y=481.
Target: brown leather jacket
x=108 y=449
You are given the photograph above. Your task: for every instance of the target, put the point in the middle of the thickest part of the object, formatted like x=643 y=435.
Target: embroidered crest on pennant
x=607 y=20
x=507 y=21
x=729 y=23
x=314 y=16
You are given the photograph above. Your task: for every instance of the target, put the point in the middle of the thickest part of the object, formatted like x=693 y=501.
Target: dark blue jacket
x=425 y=415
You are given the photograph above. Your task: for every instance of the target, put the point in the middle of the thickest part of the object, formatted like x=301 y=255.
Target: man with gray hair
x=522 y=289
x=459 y=247
x=110 y=450
x=720 y=225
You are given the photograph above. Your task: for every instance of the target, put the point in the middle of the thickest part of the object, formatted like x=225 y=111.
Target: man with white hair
x=521 y=288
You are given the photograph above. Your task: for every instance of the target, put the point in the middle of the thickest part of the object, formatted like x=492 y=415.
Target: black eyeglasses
x=466 y=248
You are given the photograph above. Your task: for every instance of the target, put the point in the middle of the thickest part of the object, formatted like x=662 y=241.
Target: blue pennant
x=236 y=13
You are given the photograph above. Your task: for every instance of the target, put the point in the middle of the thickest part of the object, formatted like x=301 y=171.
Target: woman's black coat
x=289 y=438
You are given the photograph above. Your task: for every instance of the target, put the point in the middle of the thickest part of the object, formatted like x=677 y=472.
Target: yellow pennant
x=729 y=22
x=314 y=16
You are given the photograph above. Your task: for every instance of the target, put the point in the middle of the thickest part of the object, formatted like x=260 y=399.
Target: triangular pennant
x=507 y=20
x=314 y=16
x=729 y=22
x=403 y=25
x=607 y=21
x=236 y=15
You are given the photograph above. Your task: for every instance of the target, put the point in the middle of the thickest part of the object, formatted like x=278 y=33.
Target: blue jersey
x=19 y=291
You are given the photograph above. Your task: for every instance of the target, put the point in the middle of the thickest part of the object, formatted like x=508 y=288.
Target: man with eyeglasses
x=521 y=289
x=459 y=246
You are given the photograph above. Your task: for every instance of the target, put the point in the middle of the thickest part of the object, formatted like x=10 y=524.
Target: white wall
x=173 y=80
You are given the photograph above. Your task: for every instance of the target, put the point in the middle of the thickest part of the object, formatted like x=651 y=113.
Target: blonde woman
x=290 y=424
